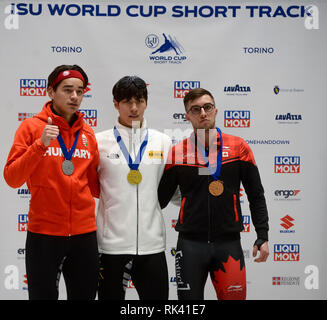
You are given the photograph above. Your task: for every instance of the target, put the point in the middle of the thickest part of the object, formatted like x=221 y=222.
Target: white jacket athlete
x=131 y=230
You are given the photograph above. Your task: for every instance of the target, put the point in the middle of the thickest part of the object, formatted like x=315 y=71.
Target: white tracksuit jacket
x=129 y=218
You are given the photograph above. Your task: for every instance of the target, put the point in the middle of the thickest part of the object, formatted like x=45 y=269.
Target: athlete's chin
x=73 y=108
x=206 y=126
x=135 y=121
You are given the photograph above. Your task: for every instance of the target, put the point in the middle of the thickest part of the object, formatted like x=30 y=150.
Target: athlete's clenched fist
x=50 y=133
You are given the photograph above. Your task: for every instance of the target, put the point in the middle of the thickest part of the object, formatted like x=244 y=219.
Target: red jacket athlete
x=55 y=153
x=208 y=168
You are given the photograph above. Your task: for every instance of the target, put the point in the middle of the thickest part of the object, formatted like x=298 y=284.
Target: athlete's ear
x=187 y=117
x=116 y=104
x=50 y=92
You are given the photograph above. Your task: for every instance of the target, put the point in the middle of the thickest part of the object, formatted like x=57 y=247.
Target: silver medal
x=67 y=167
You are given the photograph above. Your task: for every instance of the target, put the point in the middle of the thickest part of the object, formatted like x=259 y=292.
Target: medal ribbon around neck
x=138 y=159
x=215 y=174
x=216 y=187
x=67 y=155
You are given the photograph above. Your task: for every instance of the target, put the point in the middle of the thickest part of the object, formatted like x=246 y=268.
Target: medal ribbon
x=67 y=155
x=135 y=165
x=215 y=174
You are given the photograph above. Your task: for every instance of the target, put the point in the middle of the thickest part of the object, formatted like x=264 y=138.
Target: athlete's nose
x=74 y=95
x=133 y=107
x=202 y=112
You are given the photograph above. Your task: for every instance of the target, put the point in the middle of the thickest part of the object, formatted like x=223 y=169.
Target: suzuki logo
x=287 y=222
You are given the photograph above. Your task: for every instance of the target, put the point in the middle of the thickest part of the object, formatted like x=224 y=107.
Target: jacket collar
x=128 y=132
x=58 y=120
x=197 y=140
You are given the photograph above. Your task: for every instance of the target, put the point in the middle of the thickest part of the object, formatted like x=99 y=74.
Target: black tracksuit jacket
x=205 y=217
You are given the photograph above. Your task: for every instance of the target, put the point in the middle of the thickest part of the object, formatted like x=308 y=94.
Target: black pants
x=224 y=260
x=49 y=256
x=149 y=274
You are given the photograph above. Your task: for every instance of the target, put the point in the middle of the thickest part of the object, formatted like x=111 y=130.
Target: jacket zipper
x=137 y=217
x=209 y=214
x=182 y=211
x=235 y=208
x=137 y=199
x=70 y=202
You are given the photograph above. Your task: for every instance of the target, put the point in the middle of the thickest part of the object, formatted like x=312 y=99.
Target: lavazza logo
x=165 y=49
x=23 y=193
x=237 y=90
x=288 y=118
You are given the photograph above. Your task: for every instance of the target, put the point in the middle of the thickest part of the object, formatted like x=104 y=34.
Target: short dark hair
x=130 y=87
x=196 y=93
x=54 y=74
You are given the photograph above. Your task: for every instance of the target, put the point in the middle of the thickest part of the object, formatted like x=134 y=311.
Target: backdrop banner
x=264 y=62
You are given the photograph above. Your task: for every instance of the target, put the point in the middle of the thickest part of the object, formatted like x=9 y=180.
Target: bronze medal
x=216 y=188
x=134 y=177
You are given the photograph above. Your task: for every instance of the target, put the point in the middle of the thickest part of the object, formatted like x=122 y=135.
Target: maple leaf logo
x=230 y=283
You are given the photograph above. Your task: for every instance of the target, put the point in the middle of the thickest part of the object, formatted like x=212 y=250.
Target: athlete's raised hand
x=50 y=132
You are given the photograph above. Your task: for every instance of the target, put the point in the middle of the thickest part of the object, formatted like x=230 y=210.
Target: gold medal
x=134 y=177
x=216 y=188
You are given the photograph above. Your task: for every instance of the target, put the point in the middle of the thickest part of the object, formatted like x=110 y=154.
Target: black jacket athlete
x=209 y=223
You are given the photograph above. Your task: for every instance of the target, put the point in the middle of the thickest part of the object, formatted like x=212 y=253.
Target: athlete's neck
x=133 y=125
x=70 y=118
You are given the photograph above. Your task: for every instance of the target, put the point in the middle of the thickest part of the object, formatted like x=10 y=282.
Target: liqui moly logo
x=33 y=87
x=90 y=116
x=22 y=222
x=246 y=223
x=181 y=88
x=286 y=252
x=287 y=164
x=237 y=119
